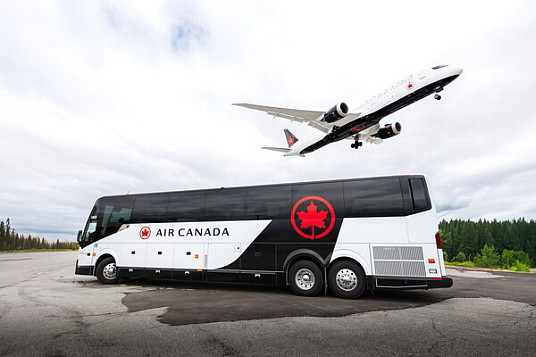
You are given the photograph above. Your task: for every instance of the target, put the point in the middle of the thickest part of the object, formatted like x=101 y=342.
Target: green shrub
x=460 y=257
x=520 y=266
x=509 y=258
x=488 y=257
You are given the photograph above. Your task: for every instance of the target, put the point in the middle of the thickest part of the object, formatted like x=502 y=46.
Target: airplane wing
x=310 y=117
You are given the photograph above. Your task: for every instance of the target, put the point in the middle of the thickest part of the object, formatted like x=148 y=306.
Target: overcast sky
x=109 y=97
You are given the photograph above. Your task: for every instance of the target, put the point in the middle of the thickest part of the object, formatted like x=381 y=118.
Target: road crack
x=226 y=349
x=445 y=339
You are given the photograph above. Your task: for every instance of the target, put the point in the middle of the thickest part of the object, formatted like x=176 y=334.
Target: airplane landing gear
x=437 y=90
x=356 y=145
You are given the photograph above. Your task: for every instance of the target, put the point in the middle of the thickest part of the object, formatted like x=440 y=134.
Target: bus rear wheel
x=107 y=271
x=347 y=280
x=305 y=278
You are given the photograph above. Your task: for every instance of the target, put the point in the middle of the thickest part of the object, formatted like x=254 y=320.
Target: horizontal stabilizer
x=284 y=150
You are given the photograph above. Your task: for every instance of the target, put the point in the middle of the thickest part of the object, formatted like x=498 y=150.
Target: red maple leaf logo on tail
x=312 y=218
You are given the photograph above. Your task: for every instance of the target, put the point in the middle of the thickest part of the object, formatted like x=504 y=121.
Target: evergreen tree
x=488 y=257
x=2 y=235
x=460 y=257
x=8 y=235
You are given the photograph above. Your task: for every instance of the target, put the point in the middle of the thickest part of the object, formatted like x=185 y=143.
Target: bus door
x=87 y=256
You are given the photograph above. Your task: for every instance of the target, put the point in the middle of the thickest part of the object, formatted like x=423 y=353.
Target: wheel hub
x=346 y=279
x=305 y=279
x=110 y=271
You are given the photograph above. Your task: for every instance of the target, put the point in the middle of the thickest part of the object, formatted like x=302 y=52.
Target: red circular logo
x=312 y=212
x=145 y=232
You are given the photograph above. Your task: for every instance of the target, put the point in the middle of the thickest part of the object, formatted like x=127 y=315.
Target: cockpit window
x=440 y=66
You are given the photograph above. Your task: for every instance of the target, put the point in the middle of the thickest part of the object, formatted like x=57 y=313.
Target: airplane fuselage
x=399 y=95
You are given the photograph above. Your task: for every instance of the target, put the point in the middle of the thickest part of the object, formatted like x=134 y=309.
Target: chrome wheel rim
x=346 y=279
x=110 y=271
x=305 y=279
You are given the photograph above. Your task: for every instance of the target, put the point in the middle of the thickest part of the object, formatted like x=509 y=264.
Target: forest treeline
x=465 y=240
x=11 y=240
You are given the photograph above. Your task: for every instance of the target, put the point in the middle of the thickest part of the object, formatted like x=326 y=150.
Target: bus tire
x=306 y=278
x=107 y=271
x=347 y=280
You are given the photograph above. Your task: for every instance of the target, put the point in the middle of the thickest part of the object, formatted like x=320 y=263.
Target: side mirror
x=79 y=237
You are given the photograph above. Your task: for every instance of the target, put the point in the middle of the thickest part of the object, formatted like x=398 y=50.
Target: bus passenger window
x=225 y=205
x=186 y=207
x=268 y=202
x=419 y=195
x=373 y=198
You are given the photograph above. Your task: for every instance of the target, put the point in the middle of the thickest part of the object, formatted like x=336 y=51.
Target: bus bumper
x=408 y=283
x=83 y=269
x=444 y=282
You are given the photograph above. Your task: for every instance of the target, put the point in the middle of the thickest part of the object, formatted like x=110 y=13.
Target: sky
x=113 y=97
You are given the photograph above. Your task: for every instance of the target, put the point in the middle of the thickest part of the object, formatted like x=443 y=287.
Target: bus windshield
x=108 y=215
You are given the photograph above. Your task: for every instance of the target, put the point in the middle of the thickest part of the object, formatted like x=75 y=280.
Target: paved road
x=45 y=310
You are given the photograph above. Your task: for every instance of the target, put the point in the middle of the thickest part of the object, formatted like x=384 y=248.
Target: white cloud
x=102 y=98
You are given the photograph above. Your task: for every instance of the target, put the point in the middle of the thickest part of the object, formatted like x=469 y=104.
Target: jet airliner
x=362 y=124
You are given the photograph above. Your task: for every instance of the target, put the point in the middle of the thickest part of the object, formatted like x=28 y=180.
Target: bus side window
x=148 y=208
x=373 y=198
x=419 y=195
x=226 y=204
x=186 y=207
x=268 y=202
x=91 y=232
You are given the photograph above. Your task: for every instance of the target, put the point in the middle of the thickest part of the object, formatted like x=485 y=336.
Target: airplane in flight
x=363 y=124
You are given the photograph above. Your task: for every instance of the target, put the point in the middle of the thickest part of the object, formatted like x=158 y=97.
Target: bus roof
x=255 y=186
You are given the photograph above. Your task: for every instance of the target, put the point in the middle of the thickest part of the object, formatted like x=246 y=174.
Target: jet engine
x=389 y=130
x=339 y=111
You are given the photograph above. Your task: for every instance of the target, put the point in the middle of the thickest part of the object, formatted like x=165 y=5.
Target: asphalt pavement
x=46 y=310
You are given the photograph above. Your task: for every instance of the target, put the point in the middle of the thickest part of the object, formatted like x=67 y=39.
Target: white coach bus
x=345 y=235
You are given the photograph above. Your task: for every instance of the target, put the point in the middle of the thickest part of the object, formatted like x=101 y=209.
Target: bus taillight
x=438 y=241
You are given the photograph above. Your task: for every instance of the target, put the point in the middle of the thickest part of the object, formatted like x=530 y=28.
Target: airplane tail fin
x=291 y=138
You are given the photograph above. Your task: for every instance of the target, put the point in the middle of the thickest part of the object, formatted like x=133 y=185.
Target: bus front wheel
x=347 y=280
x=305 y=278
x=107 y=271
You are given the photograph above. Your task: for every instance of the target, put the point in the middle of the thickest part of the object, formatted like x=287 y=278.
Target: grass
x=518 y=266
x=463 y=264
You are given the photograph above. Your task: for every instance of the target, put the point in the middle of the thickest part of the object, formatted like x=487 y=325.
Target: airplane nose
x=457 y=70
